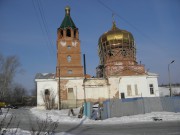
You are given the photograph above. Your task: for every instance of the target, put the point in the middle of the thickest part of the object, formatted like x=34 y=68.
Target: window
x=70 y=90
x=74 y=33
x=136 y=89
x=47 y=92
x=151 y=88
x=129 y=91
x=68 y=47
x=68 y=33
x=69 y=58
x=62 y=33
x=69 y=71
x=124 y=53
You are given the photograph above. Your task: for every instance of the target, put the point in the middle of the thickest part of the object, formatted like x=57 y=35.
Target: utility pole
x=84 y=58
x=85 y=105
x=170 y=90
x=59 y=90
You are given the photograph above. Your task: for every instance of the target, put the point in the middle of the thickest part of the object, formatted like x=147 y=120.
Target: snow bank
x=165 y=116
x=62 y=117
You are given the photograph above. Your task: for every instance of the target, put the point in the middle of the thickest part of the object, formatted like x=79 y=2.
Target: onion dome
x=116 y=45
x=67 y=22
x=116 y=35
x=117 y=54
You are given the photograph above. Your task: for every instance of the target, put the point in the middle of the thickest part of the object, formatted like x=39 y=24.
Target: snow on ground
x=148 y=117
x=62 y=117
x=5 y=113
x=15 y=131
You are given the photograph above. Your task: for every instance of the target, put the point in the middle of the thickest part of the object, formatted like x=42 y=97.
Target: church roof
x=67 y=22
x=115 y=34
x=152 y=74
x=45 y=76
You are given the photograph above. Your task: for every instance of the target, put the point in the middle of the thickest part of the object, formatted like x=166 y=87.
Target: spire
x=67 y=22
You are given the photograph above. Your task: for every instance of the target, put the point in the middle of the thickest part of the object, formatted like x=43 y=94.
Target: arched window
x=68 y=33
x=69 y=58
x=47 y=95
x=46 y=92
x=69 y=47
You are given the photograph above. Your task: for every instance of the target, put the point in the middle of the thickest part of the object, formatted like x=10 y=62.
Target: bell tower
x=68 y=49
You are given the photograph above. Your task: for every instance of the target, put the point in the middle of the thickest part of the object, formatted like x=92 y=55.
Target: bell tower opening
x=68 y=33
x=61 y=33
x=74 y=33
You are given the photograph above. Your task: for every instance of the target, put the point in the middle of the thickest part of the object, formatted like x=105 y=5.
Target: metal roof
x=67 y=22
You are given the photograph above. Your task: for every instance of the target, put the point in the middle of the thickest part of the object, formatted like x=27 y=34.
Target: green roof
x=67 y=22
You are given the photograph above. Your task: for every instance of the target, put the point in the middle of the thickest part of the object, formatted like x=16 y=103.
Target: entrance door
x=122 y=96
x=71 y=98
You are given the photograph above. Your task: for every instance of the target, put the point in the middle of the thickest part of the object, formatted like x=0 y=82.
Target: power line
x=43 y=27
x=122 y=18
x=39 y=20
x=45 y=23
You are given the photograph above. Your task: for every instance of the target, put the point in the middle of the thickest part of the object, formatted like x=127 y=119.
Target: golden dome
x=116 y=34
x=116 y=45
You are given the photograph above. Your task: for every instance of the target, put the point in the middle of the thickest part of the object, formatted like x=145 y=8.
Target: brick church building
x=117 y=76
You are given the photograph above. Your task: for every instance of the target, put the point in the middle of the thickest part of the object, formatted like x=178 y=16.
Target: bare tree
x=34 y=90
x=18 y=92
x=49 y=98
x=44 y=127
x=33 y=96
x=8 y=68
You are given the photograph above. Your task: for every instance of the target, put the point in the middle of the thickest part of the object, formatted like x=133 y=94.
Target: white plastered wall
x=91 y=91
x=116 y=85
x=142 y=82
x=113 y=87
x=77 y=85
x=43 y=84
x=152 y=79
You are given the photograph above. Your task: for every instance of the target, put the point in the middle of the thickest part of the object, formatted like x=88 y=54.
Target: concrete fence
x=125 y=107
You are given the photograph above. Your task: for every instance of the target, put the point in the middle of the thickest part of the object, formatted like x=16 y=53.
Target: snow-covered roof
x=152 y=74
x=45 y=76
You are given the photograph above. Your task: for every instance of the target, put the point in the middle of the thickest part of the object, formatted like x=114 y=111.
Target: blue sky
x=155 y=25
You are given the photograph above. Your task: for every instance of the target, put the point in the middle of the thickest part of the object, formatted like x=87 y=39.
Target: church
x=118 y=74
